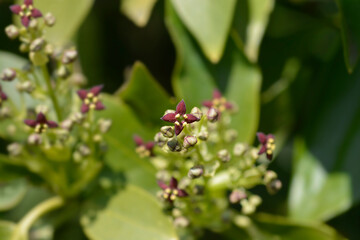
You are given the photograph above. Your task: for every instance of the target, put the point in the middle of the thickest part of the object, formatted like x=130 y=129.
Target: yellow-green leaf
x=138 y=11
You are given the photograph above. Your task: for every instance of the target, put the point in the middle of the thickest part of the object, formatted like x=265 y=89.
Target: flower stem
x=29 y=219
x=51 y=92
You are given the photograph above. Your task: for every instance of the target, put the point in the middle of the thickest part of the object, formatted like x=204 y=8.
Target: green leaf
x=350 y=31
x=259 y=13
x=11 y=193
x=243 y=88
x=138 y=11
x=130 y=214
x=314 y=193
x=191 y=80
x=276 y=227
x=6 y=230
x=69 y=16
x=121 y=155
x=209 y=21
x=144 y=95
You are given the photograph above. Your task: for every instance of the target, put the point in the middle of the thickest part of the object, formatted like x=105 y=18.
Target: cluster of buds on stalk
x=203 y=172
x=51 y=124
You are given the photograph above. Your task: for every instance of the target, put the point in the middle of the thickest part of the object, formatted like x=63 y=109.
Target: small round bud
x=104 y=125
x=239 y=149
x=33 y=24
x=49 y=49
x=255 y=200
x=77 y=157
x=160 y=140
x=231 y=135
x=269 y=176
x=237 y=195
x=35 y=139
x=63 y=72
x=24 y=47
x=97 y=138
x=167 y=131
x=12 y=31
x=242 y=221
x=8 y=74
x=84 y=150
x=69 y=56
x=224 y=155
x=197 y=112
x=247 y=207
x=67 y=124
x=49 y=19
x=181 y=222
x=5 y=112
x=176 y=212
x=274 y=186
x=174 y=145
x=78 y=117
x=27 y=87
x=254 y=153
x=37 y=45
x=189 y=141
x=203 y=135
x=212 y=115
x=196 y=172
x=14 y=149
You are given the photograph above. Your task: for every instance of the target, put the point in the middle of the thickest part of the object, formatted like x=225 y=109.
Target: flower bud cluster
x=200 y=151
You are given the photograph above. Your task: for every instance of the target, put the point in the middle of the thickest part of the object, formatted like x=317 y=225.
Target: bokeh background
x=310 y=90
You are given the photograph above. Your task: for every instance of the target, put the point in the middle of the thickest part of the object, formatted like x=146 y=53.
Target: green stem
x=51 y=92
x=29 y=219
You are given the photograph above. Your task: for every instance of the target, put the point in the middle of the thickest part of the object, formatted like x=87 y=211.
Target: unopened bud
x=35 y=139
x=24 y=47
x=12 y=31
x=84 y=150
x=5 y=112
x=255 y=200
x=97 y=138
x=176 y=212
x=14 y=149
x=212 y=115
x=254 y=153
x=189 y=141
x=69 y=56
x=67 y=124
x=237 y=195
x=104 y=125
x=231 y=135
x=33 y=24
x=8 y=74
x=224 y=155
x=27 y=87
x=239 y=149
x=78 y=79
x=63 y=72
x=196 y=172
x=242 y=221
x=78 y=117
x=181 y=222
x=77 y=157
x=37 y=45
x=49 y=49
x=174 y=145
x=274 y=186
x=49 y=19
x=160 y=140
x=167 y=131
x=247 y=207
x=269 y=176
x=197 y=112
x=203 y=135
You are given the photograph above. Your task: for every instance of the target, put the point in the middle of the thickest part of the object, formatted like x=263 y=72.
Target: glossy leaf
x=121 y=155
x=6 y=230
x=11 y=193
x=138 y=11
x=69 y=16
x=130 y=214
x=350 y=31
x=209 y=22
x=314 y=193
x=243 y=89
x=136 y=93
x=259 y=13
x=191 y=79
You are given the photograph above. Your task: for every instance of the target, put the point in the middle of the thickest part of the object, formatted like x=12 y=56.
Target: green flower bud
x=67 y=124
x=203 y=135
x=197 y=112
x=8 y=74
x=237 y=195
x=49 y=19
x=274 y=186
x=247 y=207
x=5 y=112
x=269 y=176
x=12 y=31
x=189 y=141
x=231 y=135
x=196 y=172
x=78 y=79
x=69 y=56
x=49 y=49
x=15 y=149
x=33 y=24
x=37 y=45
x=63 y=72
x=212 y=115
x=84 y=150
x=167 y=131
x=242 y=221
x=239 y=149
x=160 y=140
x=255 y=200
x=181 y=222
x=174 y=145
x=224 y=155
x=77 y=157
x=24 y=47
x=25 y=87
x=104 y=125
